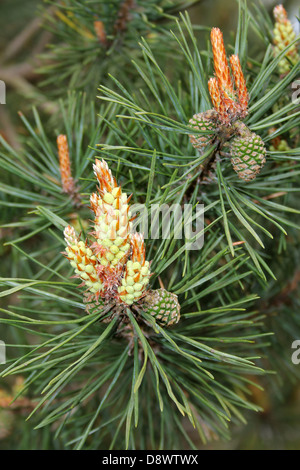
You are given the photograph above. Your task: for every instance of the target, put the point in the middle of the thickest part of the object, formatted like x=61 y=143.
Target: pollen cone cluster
x=284 y=35
x=111 y=263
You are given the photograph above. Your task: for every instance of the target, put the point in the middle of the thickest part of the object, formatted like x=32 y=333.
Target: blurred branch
x=8 y=129
x=18 y=43
x=21 y=40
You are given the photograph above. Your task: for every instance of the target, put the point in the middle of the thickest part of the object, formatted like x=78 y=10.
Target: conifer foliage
x=123 y=337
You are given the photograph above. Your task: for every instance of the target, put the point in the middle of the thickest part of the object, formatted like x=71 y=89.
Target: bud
x=113 y=268
x=100 y=32
x=83 y=261
x=65 y=164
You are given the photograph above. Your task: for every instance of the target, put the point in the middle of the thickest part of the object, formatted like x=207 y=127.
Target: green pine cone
x=203 y=122
x=247 y=155
x=163 y=306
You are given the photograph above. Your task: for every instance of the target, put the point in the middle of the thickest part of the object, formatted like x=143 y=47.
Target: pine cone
x=163 y=306
x=203 y=122
x=247 y=155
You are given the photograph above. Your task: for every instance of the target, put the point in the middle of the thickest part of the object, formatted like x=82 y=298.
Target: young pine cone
x=247 y=155
x=203 y=122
